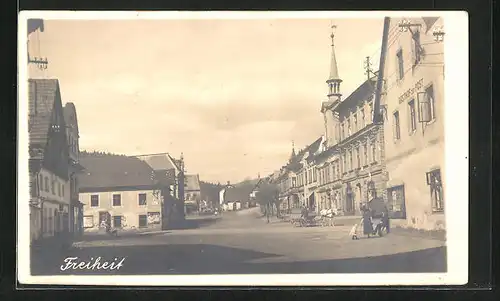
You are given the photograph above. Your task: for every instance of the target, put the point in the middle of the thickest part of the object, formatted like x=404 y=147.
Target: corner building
x=414 y=121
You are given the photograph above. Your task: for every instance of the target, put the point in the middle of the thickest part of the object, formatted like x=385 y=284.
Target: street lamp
x=438 y=34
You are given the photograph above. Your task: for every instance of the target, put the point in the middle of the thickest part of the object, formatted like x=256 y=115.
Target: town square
x=252 y=146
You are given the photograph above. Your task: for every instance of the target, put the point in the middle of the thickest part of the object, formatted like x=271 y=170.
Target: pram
x=378 y=228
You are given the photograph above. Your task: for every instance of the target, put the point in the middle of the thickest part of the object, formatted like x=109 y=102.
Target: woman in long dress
x=367 y=222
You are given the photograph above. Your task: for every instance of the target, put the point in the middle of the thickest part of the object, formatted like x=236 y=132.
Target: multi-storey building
x=298 y=179
x=351 y=164
x=121 y=191
x=48 y=161
x=414 y=129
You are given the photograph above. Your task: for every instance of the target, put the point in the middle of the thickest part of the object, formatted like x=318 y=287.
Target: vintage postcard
x=243 y=148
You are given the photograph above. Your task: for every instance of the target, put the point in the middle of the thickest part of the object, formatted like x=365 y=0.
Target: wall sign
x=411 y=91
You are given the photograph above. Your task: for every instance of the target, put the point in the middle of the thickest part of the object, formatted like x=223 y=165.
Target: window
x=374 y=152
x=358 y=159
x=142 y=199
x=344 y=164
x=429 y=94
x=365 y=153
x=363 y=117
x=62 y=190
x=401 y=68
x=371 y=112
x=58 y=189
x=413 y=117
x=355 y=121
x=436 y=187
x=94 y=200
x=41 y=183
x=342 y=134
x=350 y=160
x=397 y=127
x=143 y=221
x=88 y=221
x=117 y=200
x=53 y=187
x=117 y=221
x=396 y=202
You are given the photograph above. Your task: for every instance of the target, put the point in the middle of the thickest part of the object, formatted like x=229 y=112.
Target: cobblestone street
x=247 y=244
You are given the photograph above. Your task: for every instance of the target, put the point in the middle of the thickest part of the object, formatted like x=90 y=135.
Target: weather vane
x=333 y=27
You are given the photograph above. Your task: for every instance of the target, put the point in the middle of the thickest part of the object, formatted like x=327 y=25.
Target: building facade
x=192 y=192
x=414 y=130
x=120 y=191
x=72 y=137
x=48 y=161
x=351 y=164
x=169 y=171
x=298 y=179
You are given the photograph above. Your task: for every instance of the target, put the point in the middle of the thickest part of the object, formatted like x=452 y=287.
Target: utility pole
x=368 y=68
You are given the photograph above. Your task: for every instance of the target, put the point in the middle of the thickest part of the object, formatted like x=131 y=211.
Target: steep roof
x=192 y=182
x=43 y=93
x=113 y=171
x=361 y=93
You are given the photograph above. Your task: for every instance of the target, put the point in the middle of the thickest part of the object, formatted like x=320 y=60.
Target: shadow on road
x=196 y=222
x=213 y=259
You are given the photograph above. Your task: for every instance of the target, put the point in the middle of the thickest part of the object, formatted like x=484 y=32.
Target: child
x=354 y=231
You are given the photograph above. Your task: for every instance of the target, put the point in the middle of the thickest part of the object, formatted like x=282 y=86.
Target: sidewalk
x=428 y=234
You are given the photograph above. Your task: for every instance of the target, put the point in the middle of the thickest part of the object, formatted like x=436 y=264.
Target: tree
x=267 y=196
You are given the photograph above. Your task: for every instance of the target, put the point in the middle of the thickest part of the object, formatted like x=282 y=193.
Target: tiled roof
x=160 y=161
x=192 y=182
x=104 y=171
x=42 y=95
x=362 y=92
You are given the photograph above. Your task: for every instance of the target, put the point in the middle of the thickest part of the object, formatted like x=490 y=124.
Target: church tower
x=334 y=80
x=332 y=122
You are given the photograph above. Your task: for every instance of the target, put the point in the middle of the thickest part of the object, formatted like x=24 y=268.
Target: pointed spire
x=293 y=148
x=334 y=72
x=334 y=79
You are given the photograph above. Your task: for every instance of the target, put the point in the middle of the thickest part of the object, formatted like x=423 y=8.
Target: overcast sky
x=230 y=94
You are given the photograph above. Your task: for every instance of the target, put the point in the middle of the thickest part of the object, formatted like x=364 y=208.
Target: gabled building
x=414 y=128
x=73 y=136
x=49 y=161
x=120 y=191
x=298 y=180
x=172 y=171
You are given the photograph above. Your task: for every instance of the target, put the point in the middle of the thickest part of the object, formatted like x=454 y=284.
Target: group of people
x=367 y=221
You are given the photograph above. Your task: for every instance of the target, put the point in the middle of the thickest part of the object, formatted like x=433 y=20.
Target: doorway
x=104 y=217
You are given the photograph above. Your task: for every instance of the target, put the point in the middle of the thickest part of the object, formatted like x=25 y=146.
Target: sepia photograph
x=254 y=148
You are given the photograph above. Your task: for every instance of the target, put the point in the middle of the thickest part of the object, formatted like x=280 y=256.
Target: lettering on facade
x=411 y=91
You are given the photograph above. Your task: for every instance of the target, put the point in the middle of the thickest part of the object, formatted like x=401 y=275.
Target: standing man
x=267 y=211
